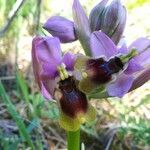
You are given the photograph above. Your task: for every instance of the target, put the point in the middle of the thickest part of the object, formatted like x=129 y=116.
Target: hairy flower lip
x=74 y=107
x=72 y=101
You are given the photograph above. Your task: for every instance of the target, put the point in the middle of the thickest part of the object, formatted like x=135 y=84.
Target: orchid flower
x=113 y=70
x=109 y=69
x=100 y=45
x=54 y=75
x=110 y=17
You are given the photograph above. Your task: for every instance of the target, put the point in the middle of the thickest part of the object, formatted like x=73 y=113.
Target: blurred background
x=27 y=121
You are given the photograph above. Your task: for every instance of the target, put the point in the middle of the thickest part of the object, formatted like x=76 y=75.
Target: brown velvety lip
x=72 y=101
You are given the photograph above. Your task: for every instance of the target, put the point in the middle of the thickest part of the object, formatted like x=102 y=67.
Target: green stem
x=73 y=140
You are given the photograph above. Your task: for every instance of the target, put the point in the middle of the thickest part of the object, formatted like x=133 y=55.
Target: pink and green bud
x=114 y=20
x=62 y=28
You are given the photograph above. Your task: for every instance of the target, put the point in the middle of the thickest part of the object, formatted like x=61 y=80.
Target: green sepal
x=90 y=114
x=98 y=95
x=129 y=56
x=86 y=85
x=80 y=63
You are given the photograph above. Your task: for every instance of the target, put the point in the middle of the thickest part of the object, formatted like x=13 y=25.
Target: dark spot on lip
x=72 y=101
x=119 y=62
x=101 y=71
x=115 y=65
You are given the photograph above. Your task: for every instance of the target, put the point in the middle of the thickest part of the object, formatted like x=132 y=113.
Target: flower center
x=63 y=73
x=100 y=71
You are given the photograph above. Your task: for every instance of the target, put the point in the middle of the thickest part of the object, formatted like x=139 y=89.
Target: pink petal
x=143 y=58
x=48 y=52
x=102 y=45
x=47 y=88
x=141 y=79
x=139 y=62
x=69 y=60
x=121 y=86
x=140 y=44
x=133 y=66
x=123 y=49
x=45 y=84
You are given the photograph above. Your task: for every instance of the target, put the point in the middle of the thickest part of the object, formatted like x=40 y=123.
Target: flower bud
x=61 y=28
x=82 y=26
x=96 y=15
x=114 y=20
x=109 y=18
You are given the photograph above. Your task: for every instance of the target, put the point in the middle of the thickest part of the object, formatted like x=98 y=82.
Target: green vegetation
x=34 y=108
